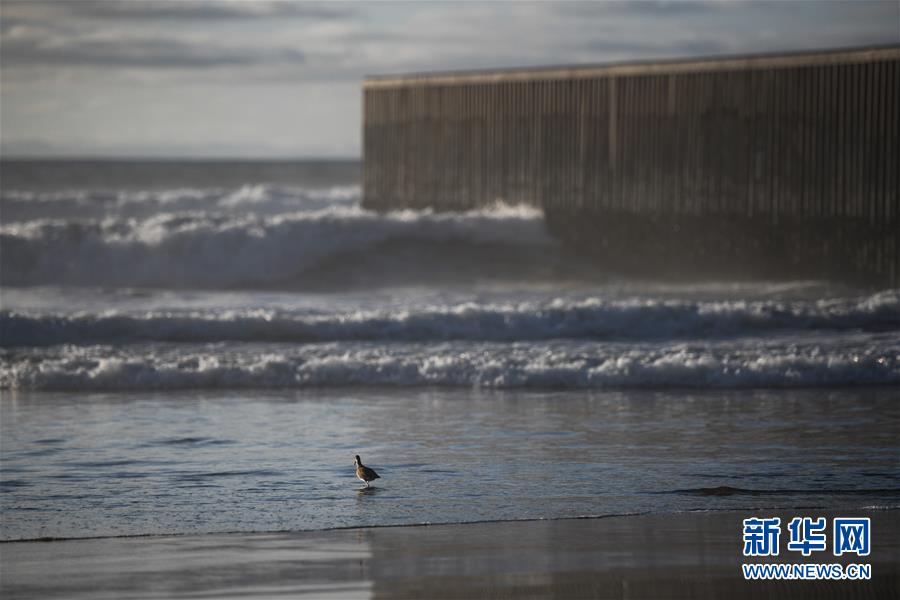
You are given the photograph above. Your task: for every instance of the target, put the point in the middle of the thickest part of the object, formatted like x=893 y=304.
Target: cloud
x=271 y=41
x=206 y=11
x=186 y=10
x=176 y=77
x=698 y=46
x=655 y=8
x=24 y=46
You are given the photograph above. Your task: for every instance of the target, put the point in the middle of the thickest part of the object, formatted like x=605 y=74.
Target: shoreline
x=51 y=539
x=690 y=554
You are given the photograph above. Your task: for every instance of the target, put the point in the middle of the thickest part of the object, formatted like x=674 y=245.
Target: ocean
x=198 y=347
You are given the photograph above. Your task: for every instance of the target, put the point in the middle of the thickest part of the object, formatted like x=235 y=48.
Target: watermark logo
x=761 y=536
x=807 y=535
x=852 y=536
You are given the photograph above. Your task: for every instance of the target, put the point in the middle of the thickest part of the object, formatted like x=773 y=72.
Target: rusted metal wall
x=773 y=160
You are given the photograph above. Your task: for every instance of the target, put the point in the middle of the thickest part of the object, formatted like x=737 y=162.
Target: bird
x=364 y=473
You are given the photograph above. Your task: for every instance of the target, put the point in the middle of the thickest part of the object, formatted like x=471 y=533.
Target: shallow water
x=91 y=464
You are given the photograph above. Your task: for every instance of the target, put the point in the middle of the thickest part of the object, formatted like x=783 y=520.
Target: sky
x=282 y=79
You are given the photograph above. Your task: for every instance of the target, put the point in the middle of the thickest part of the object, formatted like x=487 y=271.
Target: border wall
x=759 y=166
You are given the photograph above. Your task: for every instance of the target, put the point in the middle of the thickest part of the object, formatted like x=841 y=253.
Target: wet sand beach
x=684 y=555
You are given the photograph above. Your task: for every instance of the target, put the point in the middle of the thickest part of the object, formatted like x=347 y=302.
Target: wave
x=586 y=318
x=725 y=490
x=29 y=205
x=217 y=250
x=839 y=361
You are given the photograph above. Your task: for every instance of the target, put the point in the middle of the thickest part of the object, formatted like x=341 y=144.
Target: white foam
x=210 y=249
x=592 y=365
x=28 y=205
x=579 y=318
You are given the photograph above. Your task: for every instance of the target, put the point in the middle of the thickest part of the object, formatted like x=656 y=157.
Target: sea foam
x=814 y=361
x=590 y=318
x=210 y=249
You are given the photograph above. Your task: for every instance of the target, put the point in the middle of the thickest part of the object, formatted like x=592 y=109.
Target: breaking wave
x=221 y=249
x=269 y=237
x=586 y=318
x=839 y=361
x=30 y=205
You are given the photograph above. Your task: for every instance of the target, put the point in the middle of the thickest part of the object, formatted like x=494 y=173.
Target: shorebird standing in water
x=364 y=473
